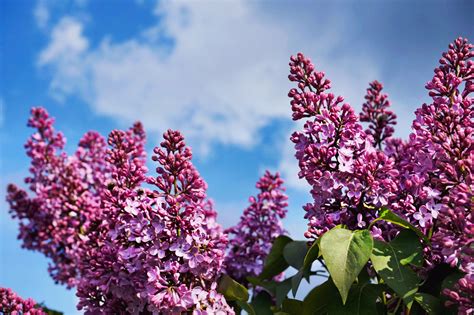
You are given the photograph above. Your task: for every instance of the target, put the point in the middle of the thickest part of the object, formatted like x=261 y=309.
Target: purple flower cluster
x=375 y=112
x=11 y=303
x=66 y=197
x=443 y=133
x=252 y=238
x=350 y=178
x=161 y=250
x=427 y=180
x=127 y=248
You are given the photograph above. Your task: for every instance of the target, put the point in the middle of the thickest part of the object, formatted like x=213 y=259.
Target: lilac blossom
x=11 y=303
x=252 y=238
x=375 y=112
x=351 y=180
x=66 y=194
x=162 y=250
x=426 y=179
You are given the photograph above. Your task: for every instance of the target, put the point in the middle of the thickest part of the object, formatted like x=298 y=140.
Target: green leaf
x=316 y=302
x=275 y=263
x=262 y=303
x=389 y=216
x=246 y=307
x=278 y=289
x=48 y=310
x=311 y=255
x=305 y=271
x=362 y=300
x=282 y=289
x=401 y=279
x=292 y=307
x=232 y=290
x=295 y=282
x=295 y=253
x=429 y=303
x=408 y=248
x=345 y=253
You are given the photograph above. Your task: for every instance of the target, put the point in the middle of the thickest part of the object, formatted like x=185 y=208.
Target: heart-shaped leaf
x=345 y=253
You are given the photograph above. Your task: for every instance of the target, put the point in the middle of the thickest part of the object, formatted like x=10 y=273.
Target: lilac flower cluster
x=252 y=238
x=427 y=179
x=443 y=132
x=11 y=303
x=66 y=195
x=127 y=248
x=375 y=111
x=162 y=250
x=350 y=178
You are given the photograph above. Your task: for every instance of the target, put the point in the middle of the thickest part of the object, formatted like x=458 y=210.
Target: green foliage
x=232 y=290
x=408 y=248
x=398 y=277
x=295 y=253
x=367 y=276
x=275 y=262
x=345 y=253
x=429 y=303
x=48 y=310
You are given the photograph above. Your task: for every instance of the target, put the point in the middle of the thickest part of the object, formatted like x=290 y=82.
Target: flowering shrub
x=252 y=238
x=11 y=303
x=67 y=195
x=390 y=221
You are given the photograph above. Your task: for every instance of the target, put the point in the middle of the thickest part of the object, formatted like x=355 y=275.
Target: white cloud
x=223 y=79
x=41 y=14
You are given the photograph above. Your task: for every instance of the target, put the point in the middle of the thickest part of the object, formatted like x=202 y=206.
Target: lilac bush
x=426 y=180
x=66 y=195
x=162 y=250
x=260 y=224
x=11 y=303
x=390 y=220
x=350 y=178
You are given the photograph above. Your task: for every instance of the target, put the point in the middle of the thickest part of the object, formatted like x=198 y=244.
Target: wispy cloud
x=222 y=79
x=41 y=14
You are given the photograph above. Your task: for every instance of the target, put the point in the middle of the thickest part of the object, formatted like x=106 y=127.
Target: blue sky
x=217 y=70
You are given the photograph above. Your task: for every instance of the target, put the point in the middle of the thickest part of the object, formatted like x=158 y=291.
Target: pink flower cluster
x=162 y=249
x=350 y=178
x=375 y=112
x=66 y=195
x=252 y=238
x=127 y=247
x=427 y=180
x=11 y=303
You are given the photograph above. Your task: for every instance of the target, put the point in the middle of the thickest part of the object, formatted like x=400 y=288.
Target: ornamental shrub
x=390 y=227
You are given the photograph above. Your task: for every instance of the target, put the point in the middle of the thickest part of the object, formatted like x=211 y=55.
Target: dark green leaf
x=246 y=307
x=362 y=300
x=48 y=310
x=311 y=255
x=275 y=263
x=429 y=303
x=305 y=271
x=295 y=253
x=295 y=282
x=345 y=254
x=262 y=303
x=408 y=248
x=401 y=279
x=292 y=307
x=232 y=290
x=282 y=290
x=316 y=302
x=389 y=216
